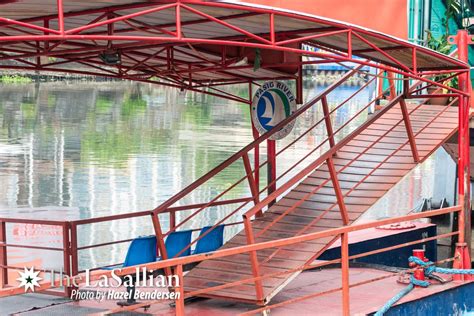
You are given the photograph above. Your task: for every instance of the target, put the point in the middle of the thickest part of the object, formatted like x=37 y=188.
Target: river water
x=82 y=150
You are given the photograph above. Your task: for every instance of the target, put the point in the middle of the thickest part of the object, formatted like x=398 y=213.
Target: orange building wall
x=387 y=16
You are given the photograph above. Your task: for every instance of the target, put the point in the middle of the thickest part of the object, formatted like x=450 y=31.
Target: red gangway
x=330 y=190
x=328 y=187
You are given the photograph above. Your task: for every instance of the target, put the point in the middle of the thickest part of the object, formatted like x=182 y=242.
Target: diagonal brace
x=409 y=129
x=337 y=190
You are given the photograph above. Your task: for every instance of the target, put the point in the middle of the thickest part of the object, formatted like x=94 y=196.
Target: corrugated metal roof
x=200 y=46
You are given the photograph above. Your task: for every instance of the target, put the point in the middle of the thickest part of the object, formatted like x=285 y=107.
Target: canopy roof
x=193 y=43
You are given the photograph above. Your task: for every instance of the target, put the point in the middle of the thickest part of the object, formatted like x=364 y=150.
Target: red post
x=345 y=273
x=463 y=248
x=74 y=251
x=172 y=215
x=391 y=81
x=67 y=257
x=419 y=272
x=3 y=255
x=256 y=159
x=60 y=16
x=299 y=82
x=180 y=300
x=271 y=167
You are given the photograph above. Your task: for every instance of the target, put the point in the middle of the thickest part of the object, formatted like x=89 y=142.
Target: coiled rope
x=429 y=268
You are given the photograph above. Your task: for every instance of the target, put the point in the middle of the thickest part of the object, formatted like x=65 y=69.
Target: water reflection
x=99 y=149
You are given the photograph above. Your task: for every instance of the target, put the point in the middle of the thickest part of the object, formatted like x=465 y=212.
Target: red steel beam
x=327 y=119
x=251 y=180
x=231 y=43
x=338 y=191
x=253 y=259
x=4 y=23
x=409 y=130
x=309 y=37
x=254 y=10
x=226 y=24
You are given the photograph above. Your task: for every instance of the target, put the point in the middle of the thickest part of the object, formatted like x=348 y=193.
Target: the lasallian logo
x=29 y=278
x=271 y=104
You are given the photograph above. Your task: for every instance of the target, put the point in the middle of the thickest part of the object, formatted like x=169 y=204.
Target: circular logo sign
x=272 y=103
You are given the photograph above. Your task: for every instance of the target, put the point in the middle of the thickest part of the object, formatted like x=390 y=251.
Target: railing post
x=256 y=150
x=338 y=191
x=74 y=254
x=180 y=300
x=253 y=187
x=253 y=259
x=159 y=239
x=67 y=256
x=271 y=167
x=391 y=81
x=172 y=215
x=3 y=255
x=327 y=120
x=345 y=273
x=409 y=130
x=299 y=83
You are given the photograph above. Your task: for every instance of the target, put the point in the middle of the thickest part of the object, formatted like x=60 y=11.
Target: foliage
x=454 y=10
x=14 y=79
x=442 y=45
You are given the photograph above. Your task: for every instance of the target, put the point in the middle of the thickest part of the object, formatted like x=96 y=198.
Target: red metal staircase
x=329 y=190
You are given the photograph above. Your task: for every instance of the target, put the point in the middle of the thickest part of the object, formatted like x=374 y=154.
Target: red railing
x=342 y=233
x=248 y=215
x=70 y=240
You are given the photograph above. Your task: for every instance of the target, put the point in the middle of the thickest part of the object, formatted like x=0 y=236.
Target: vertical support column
x=67 y=257
x=391 y=82
x=345 y=273
x=271 y=167
x=60 y=16
x=3 y=255
x=409 y=130
x=74 y=254
x=463 y=247
x=180 y=301
x=256 y=159
x=299 y=82
x=172 y=215
x=179 y=34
